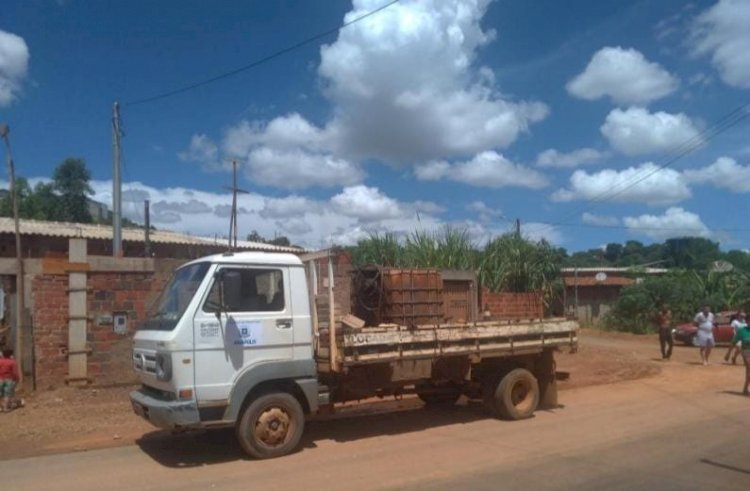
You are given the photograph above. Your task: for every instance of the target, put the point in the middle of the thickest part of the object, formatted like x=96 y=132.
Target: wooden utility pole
x=233 y=218
x=20 y=285
x=518 y=227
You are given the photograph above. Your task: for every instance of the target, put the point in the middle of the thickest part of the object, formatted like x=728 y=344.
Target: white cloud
x=646 y=183
x=287 y=207
x=288 y=153
x=487 y=169
x=624 y=75
x=724 y=173
x=675 y=222
x=486 y=213
x=723 y=33
x=541 y=231
x=600 y=220
x=14 y=64
x=349 y=215
x=298 y=169
x=203 y=151
x=366 y=203
x=443 y=106
x=636 y=131
x=432 y=171
x=582 y=156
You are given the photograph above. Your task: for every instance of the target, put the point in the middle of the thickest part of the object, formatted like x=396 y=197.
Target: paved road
x=685 y=429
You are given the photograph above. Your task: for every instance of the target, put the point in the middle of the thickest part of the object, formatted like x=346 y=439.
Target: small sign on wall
x=120 y=322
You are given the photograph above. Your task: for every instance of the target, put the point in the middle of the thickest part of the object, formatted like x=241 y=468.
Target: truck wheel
x=271 y=426
x=516 y=396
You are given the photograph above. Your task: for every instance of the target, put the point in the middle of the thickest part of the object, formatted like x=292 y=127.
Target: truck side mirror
x=231 y=288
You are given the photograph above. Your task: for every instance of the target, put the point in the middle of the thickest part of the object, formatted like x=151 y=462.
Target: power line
x=256 y=63
x=724 y=123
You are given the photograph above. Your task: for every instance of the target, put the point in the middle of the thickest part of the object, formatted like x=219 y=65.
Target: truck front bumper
x=168 y=415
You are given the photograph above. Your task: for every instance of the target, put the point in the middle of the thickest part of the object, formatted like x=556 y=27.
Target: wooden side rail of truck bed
x=501 y=338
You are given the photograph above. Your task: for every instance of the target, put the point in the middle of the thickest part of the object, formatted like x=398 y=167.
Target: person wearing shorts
x=742 y=336
x=664 y=324
x=8 y=378
x=738 y=322
x=704 y=321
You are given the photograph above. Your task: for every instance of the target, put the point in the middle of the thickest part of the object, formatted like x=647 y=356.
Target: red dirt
x=82 y=419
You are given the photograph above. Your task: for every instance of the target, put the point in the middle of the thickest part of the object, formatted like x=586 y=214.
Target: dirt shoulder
x=73 y=419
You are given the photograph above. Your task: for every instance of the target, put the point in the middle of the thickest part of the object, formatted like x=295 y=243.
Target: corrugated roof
x=104 y=232
x=591 y=281
x=633 y=269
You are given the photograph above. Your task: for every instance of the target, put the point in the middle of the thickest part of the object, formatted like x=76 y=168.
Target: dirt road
x=685 y=428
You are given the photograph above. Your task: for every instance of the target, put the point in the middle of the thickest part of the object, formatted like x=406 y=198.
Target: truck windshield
x=174 y=299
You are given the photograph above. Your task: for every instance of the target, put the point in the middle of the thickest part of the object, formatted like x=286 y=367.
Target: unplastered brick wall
x=508 y=305
x=50 y=321
x=110 y=293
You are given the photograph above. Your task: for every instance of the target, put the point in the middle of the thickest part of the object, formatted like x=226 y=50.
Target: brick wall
x=127 y=293
x=50 y=321
x=109 y=360
x=507 y=305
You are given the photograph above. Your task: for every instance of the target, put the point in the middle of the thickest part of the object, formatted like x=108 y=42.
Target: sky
x=590 y=122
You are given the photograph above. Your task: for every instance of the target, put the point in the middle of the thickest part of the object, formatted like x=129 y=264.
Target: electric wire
x=729 y=120
x=265 y=59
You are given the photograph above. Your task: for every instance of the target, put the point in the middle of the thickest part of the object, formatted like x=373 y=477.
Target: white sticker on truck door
x=246 y=333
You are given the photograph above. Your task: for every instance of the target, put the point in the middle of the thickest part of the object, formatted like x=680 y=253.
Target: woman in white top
x=738 y=323
x=704 y=321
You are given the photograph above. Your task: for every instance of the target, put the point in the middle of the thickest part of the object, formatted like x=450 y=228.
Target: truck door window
x=262 y=290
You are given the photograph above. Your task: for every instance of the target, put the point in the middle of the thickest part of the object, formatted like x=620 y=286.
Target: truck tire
x=271 y=425
x=516 y=396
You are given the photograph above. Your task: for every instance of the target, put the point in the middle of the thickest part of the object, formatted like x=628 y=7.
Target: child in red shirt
x=8 y=378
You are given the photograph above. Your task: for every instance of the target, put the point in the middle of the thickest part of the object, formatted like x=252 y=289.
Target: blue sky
x=470 y=113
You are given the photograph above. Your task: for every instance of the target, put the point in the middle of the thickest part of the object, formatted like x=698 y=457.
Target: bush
x=684 y=292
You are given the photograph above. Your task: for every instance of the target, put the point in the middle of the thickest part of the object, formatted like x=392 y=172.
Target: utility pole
x=518 y=228
x=233 y=219
x=116 y=182
x=147 y=238
x=20 y=286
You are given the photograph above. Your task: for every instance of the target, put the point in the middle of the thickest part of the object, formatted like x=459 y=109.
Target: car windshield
x=174 y=299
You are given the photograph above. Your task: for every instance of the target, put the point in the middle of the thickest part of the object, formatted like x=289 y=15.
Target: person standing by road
x=738 y=323
x=8 y=378
x=742 y=337
x=704 y=321
x=664 y=324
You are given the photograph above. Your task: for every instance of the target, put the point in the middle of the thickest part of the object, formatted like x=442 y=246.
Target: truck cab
x=226 y=330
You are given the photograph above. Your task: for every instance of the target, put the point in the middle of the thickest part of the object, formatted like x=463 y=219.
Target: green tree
x=691 y=253
x=71 y=182
x=613 y=252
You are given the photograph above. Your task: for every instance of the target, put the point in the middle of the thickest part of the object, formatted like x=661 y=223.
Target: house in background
x=591 y=292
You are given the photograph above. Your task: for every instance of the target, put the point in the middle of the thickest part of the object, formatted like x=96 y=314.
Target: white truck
x=235 y=340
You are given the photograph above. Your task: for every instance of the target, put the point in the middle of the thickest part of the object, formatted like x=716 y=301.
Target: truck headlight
x=163 y=367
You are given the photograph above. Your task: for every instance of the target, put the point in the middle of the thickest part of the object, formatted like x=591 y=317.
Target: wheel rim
x=521 y=395
x=273 y=426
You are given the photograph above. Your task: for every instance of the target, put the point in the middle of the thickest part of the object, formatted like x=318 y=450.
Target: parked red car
x=723 y=332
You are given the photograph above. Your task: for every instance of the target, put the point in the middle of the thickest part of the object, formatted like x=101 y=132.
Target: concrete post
x=77 y=314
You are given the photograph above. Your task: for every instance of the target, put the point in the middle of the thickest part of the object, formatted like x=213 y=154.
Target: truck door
x=253 y=326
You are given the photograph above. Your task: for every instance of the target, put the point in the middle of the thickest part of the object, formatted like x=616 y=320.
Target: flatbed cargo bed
x=386 y=343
